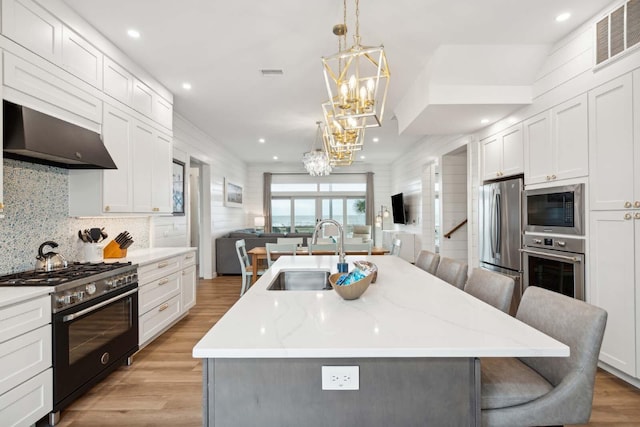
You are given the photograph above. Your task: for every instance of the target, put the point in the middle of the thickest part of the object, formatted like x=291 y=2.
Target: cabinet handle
x=635 y=205
x=163 y=264
x=553 y=177
x=627 y=216
x=548 y=178
x=638 y=215
x=156 y=209
x=191 y=256
x=164 y=306
x=627 y=205
x=107 y=208
x=163 y=282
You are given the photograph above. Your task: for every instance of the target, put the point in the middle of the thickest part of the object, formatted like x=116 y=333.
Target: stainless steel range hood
x=32 y=136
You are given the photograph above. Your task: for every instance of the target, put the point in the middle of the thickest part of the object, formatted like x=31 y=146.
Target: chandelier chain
x=358 y=21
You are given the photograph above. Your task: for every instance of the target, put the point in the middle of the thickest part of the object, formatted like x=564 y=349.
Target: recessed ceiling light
x=186 y=86
x=484 y=121
x=275 y=157
x=262 y=140
x=563 y=17
x=134 y=34
x=376 y=139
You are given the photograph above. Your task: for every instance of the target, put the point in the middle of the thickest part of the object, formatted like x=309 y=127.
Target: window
x=299 y=201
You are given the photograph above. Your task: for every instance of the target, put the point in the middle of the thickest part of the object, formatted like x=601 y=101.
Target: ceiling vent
x=618 y=31
x=270 y=72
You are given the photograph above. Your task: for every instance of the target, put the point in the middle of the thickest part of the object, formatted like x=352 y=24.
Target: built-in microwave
x=558 y=210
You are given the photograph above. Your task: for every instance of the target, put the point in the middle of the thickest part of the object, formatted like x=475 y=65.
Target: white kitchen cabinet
x=614 y=170
x=615 y=282
x=502 y=154
x=161 y=173
x=188 y=281
x=163 y=111
x=46 y=88
x=118 y=82
x=556 y=143
x=166 y=293
x=152 y=154
x=117 y=134
x=26 y=375
x=31 y=26
x=142 y=100
x=81 y=59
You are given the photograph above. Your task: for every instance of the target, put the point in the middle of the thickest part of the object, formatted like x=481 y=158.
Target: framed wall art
x=232 y=194
x=177 y=183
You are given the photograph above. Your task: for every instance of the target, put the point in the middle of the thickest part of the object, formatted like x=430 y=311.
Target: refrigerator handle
x=492 y=224
x=498 y=233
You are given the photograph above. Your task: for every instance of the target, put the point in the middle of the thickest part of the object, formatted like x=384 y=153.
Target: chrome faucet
x=342 y=265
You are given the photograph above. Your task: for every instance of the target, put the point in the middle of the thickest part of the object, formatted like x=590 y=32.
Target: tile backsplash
x=36 y=200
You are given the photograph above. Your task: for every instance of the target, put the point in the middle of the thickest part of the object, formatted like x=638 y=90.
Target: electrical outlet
x=341 y=378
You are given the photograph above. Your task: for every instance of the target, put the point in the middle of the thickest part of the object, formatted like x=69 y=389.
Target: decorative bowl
x=368 y=266
x=352 y=291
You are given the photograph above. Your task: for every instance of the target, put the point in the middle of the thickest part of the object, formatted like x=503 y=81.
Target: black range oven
x=94 y=324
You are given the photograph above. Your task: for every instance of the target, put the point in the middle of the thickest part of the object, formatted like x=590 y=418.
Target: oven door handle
x=572 y=259
x=70 y=317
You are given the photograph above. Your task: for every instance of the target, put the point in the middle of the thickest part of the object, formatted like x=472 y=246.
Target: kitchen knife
x=127 y=244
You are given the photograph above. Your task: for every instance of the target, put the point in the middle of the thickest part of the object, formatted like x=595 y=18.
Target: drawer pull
x=163 y=264
x=627 y=205
x=164 y=306
x=163 y=282
x=191 y=256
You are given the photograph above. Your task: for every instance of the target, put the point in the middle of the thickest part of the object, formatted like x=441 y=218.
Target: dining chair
x=323 y=240
x=245 y=266
x=295 y=240
x=358 y=247
x=395 y=247
x=542 y=391
x=428 y=261
x=323 y=247
x=287 y=248
x=493 y=288
x=452 y=271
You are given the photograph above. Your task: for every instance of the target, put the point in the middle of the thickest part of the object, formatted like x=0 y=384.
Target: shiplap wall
x=218 y=164
x=453 y=172
x=381 y=186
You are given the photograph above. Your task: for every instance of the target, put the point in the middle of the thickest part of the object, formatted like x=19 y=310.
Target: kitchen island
x=414 y=339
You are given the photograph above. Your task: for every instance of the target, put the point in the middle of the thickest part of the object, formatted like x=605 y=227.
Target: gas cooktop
x=75 y=271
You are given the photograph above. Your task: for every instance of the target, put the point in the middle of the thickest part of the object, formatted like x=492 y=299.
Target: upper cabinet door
x=142 y=98
x=117 y=130
x=163 y=111
x=636 y=143
x=29 y=25
x=118 y=82
x=512 y=151
x=81 y=59
x=143 y=149
x=538 y=147
x=571 y=138
x=611 y=145
x=491 y=157
x=162 y=168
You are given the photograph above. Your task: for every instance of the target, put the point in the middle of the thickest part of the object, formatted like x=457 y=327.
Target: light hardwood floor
x=163 y=387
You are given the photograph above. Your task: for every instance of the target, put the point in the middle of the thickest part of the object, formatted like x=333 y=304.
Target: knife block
x=112 y=250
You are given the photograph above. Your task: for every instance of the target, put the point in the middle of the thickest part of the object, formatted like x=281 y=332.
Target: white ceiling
x=219 y=47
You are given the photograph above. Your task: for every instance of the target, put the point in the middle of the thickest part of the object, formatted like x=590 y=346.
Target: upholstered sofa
x=226 y=257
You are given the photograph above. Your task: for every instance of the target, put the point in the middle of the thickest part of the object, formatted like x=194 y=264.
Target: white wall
x=218 y=164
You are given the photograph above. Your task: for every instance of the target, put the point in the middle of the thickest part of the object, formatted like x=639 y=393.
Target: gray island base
x=392 y=392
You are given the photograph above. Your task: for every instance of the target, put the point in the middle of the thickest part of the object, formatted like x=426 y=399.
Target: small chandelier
x=316 y=161
x=357 y=80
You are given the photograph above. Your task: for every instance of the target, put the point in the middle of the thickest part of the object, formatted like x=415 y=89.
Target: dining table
x=259 y=253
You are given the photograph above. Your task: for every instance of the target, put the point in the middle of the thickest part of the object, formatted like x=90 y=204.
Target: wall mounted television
x=397 y=207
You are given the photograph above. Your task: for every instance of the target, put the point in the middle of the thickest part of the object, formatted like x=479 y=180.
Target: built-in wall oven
x=558 y=210
x=555 y=263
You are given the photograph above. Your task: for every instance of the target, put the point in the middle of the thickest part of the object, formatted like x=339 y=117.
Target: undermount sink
x=301 y=280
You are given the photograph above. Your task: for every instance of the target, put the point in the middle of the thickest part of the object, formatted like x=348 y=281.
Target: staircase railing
x=454 y=229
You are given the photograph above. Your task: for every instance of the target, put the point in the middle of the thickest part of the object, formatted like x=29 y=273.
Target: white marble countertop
x=149 y=255
x=10 y=295
x=406 y=313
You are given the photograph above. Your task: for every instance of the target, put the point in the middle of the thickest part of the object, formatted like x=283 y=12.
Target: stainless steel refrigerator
x=501 y=239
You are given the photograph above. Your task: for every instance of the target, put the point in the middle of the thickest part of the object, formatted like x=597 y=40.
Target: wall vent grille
x=618 y=31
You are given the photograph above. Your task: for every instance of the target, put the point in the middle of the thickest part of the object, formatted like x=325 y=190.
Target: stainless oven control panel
x=90 y=289
x=559 y=243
